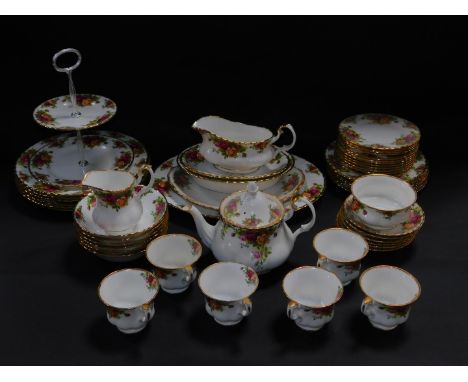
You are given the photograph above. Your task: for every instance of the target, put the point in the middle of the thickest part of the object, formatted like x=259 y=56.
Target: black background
x=166 y=72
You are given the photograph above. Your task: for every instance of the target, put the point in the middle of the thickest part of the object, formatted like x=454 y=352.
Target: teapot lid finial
x=252 y=188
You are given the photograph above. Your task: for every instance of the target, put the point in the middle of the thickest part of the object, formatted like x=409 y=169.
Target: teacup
x=237 y=147
x=227 y=287
x=312 y=293
x=174 y=257
x=340 y=251
x=381 y=201
x=390 y=292
x=128 y=295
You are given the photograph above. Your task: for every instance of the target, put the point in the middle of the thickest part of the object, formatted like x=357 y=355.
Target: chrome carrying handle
x=68 y=70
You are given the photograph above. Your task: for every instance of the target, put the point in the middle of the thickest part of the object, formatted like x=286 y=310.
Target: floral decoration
x=99 y=120
x=119 y=145
x=182 y=179
x=167 y=164
x=123 y=160
x=41 y=159
x=164 y=274
x=91 y=201
x=136 y=147
x=57 y=141
x=159 y=207
x=229 y=149
x=357 y=206
x=350 y=134
x=260 y=146
x=79 y=213
x=414 y=218
x=162 y=185
x=68 y=182
x=51 y=103
x=25 y=158
x=252 y=221
x=114 y=200
x=195 y=246
x=23 y=177
x=313 y=169
x=92 y=141
x=320 y=312
x=193 y=155
x=45 y=117
x=83 y=100
x=275 y=212
x=313 y=192
x=380 y=119
x=291 y=183
x=250 y=275
x=109 y=104
x=406 y=139
x=394 y=311
x=277 y=158
x=232 y=207
x=216 y=305
x=349 y=269
x=151 y=281
x=117 y=313
x=46 y=187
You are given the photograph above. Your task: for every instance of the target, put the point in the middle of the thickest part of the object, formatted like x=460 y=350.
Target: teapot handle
x=148 y=168
x=305 y=227
x=280 y=131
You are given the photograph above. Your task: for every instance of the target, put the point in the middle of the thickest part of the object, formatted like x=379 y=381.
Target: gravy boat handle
x=280 y=131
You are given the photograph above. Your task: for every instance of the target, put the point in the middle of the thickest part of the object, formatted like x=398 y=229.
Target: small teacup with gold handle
x=390 y=292
x=128 y=295
x=227 y=287
x=174 y=257
x=312 y=293
x=340 y=251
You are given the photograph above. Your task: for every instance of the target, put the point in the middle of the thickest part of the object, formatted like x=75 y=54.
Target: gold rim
x=415 y=195
x=366 y=246
x=172 y=235
x=234 y=179
x=338 y=297
x=228 y=262
x=228 y=221
x=125 y=270
x=399 y=269
x=71 y=128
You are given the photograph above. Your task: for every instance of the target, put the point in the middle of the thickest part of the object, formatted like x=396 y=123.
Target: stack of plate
x=127 y=245
x=48 y=173
x=382 y=240
x=190 y=179
x=376 y=143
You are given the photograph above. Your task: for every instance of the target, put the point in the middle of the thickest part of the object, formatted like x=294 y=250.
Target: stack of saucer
x=376 y=143
x=384 y=211
x=230 y=156
x=126 y=245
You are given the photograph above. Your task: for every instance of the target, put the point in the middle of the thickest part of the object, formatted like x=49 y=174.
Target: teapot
x=118 y=207
x=252 y=229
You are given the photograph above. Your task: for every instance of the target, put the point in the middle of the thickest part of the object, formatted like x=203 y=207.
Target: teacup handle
x=292 y=311
x=280 y=131
x=246 y=307
x=190 y=274
x=366 y=304
x=308 y=226
x=148 y=168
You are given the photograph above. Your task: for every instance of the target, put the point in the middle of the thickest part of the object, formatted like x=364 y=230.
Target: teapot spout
x=205 y=230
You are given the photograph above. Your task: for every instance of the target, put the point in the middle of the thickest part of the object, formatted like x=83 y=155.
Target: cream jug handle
x=280 y=131
x=148 y=168
x=305 y=227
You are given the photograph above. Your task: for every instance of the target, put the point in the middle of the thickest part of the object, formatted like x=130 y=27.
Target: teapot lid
x=251 y=208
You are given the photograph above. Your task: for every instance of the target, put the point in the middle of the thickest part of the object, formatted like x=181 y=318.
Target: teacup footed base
x=175 y=291
x=309 y=328
x=228 y=323
x=381 y=327
x=131 y=331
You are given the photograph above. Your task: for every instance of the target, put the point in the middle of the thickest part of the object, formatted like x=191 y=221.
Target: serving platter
x=56 y=113
x=312 y=187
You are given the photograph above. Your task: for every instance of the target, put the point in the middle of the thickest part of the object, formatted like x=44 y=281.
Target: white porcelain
x=312 y=293
x=312 y=188
x=227 y=287
x=119 y=207
x=285 y=188
x=382 y=201
x=236 y=147
x=208 y=176
x=252 y=229
x=59 y=114
x=174 y=257
x=128 y=295
x=340 y=252
x=390 y=292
